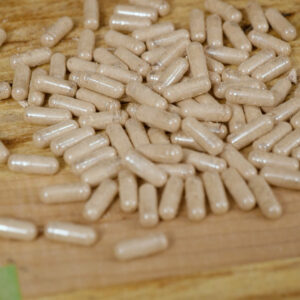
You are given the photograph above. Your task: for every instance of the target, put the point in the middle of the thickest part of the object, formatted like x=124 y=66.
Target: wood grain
x=218 y=242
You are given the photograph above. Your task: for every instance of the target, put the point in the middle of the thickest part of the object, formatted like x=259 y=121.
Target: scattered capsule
x=86 y=44
x=214 y=31
x=76 y=64
x=152 y=56
x=206 y=99
x=295 y=120
x=214 y=65
x=217 y=128
x=162 y=6
x=136 y=11
x=197 y=60
x=91 y=14
x=238 y=119
x=256 y=16
x=179 y=170
x=158 y=136
x=153 y=31
x=214 y=78
x=21 y=81
x=58 y=66
x=5 y=90
x=104 y=56
x=286 y=145
x=227 y=55
x=180 y=138
x=252 y=112
x=4 y=153
x=128 y=23
x=137 y=133
x=3 y=36
x=197 y=25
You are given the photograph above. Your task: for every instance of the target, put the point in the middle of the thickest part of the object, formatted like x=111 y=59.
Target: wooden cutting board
x=46 y=267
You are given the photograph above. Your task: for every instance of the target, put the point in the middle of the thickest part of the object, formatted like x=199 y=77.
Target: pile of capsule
x=158 y=113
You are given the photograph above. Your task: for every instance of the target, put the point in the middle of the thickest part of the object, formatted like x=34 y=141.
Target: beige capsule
x=280 y=24
x=252 y=112
x=295 y=120
x=43 y=137
x=91 y=159
x=230 y=74
x=102 y=119
x=214 y=78
x=65 y=193
x=266 y=142
x=58 y=66
x=296 y=153
x=171 y=197
x=153 y=31
x=227 y=55
x=214 y=65
x=118 y=138
x=86 y=44
x=214 y=31
x=5 y=90
x=36 y=98
x=148 y=212
x=173 y=108
x=141 y=247
x=85 y=147
x=286 y=144
x=267 y=41
x=217 y=128
x=116 y=39
x=128 y=23
x=162 y=6
x=65 y=141
x=4 y=153
x=144 y=168
x=215 y=192
x=15 y=229
x=225 y=10
x=136 y=132
x=152 y=56
x=272 y=69
x=203 y=136
x=46 y=115
x=56 y=32
x=261 y=159
x=180 y=170
x=158 y=136
x=91 y=14
x=238 y=119
x=256 y=16
x=197 y=60
x=206 y=99
x=33 y=164
x=76 y=64
x=21 y=81
x=180 y=138
x=197 y=25
x=238 y=189
x=134 y=62
x=67 y=232
x=128 y=191
x=252 y=63
x=3 y=36
x=104 y=56
x=75 y=106
x=266 y=200
x=136 y=11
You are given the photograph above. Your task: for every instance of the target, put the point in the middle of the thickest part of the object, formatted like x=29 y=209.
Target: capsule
x=217 y=128
x=207 y=99
x=214 y=78
x=134 y=62
x=3 y=36
x=21 y=81
x=162 y=6
x=153 y=31
x=230 y=74
x=152 y=56
x=295 y=120
x=197 y=25
x=227 y=55
x=104 y=56
x=36 y=98
x=214 y=65
x=17 y=229
x=296 y=153
x=203 y=136
x=56 y=32
x=158 y=136
x=214 y=32
x=102 y=119
x=197 y=60
x=65 y=141
x=238 y=119
x=256 y=16
x=266 y=41
x=46 y=115
x=5 y=90
x=266 y=142
x=137 y=133
x=258 y=59
x=86 y=44
x=250 y=132
x=128 y=23
x=67 y=232
x=91 y=14
x=179 y=170
x=4 y=153
x=58 y=66
x=180 y=138
x=286 y=145
x=280 y=24
x=252 y=112
x=136 y=11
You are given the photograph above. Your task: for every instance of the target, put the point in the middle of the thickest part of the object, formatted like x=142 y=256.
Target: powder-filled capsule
x=197 y=60
x=286 y=145
x=76 y=65
x=36 y=98
x=58 y=66
x=91 y=14
x=214 y=31
x=158 y=136
x=227 y=55
x=104 y=56
x=197 y=25
x=162 y=6
x=136 y=11
x=238 y=119
x=180 y=170
x=256 y=16
x=5 y=90
x=128 y=23
x=136 y=132
x=153 y=31
x=21 y=81
x=86 y=44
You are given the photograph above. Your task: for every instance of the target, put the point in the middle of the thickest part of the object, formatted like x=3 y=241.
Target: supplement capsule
x=56 y=32
x=215 y=192
x=295 y=120
x=104 y=56
x=153 y=31
x=3 y=36
x=21 y=81
x=256 y=16
x=180 y=138
x=128 y=23
x=46 y=115
x=238 y=119
x=227 y=55
x=136 y=11
x=137 y=133
x=266 y=41
x=252 y=112
x=280 y=24
x=128 y=191
x=219 y=129
x=230 y=74
x=86 y=44
x=214 y=78
x=57 y=66
x=152 y=56
x=162 y=6
x=116 y=39
x=144 y=168
x=286 y=145
x=17 y=229
x=197 y=60
x=250 y=132
x=33 y=164
x=67 y=232
x=203 y=136
x=65 y=193
x=5 y=90
x=214 y=65
x=170 y=198
x=296 y=153
x=238 y=189
x=75 y=64
x=197 y=25
x=148 y=213
x=65 y=141
x=91 y=14
x=214 y=32
x=36 y=98
x=141 y=247
x=158 y=136
x=206 y=99
x=180 y=170
x=4 y=153
x=266 y=200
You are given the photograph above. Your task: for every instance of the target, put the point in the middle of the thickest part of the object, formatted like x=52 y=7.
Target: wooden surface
x=210 y=248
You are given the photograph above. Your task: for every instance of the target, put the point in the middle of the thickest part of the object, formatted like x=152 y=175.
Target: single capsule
x=4 y=153
x=58 y=66
x=217 y=128
x=162 y=6
x=295 y=120
x=33 y=164
x=136 y=11
x=296 y=153
x=3 y=36
x=280 y=24
x=67 y=232
x=286 y=145
x=170 y=198
x=206 y=99
x=238 y=119
x=152 y=56
x=36 y=98
x=252 y=112
x=266 y=41
x=256 y=16
x=197 y=60
x=180 y=138
x=128 y=23
x=17 y=229
x=86 y=44
x=137 y=133
x=5 y=90
x=230 y=74
x=45 y=115
x=238 y=189
x=180 y=170
x=214 y=78
x=21 y=82
x=104 y=56
x=158 y=136
x=214 y=65
x=91 y=14
x=214 y=31
x=56 y=32
x=153 y=31
x=197 y=25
